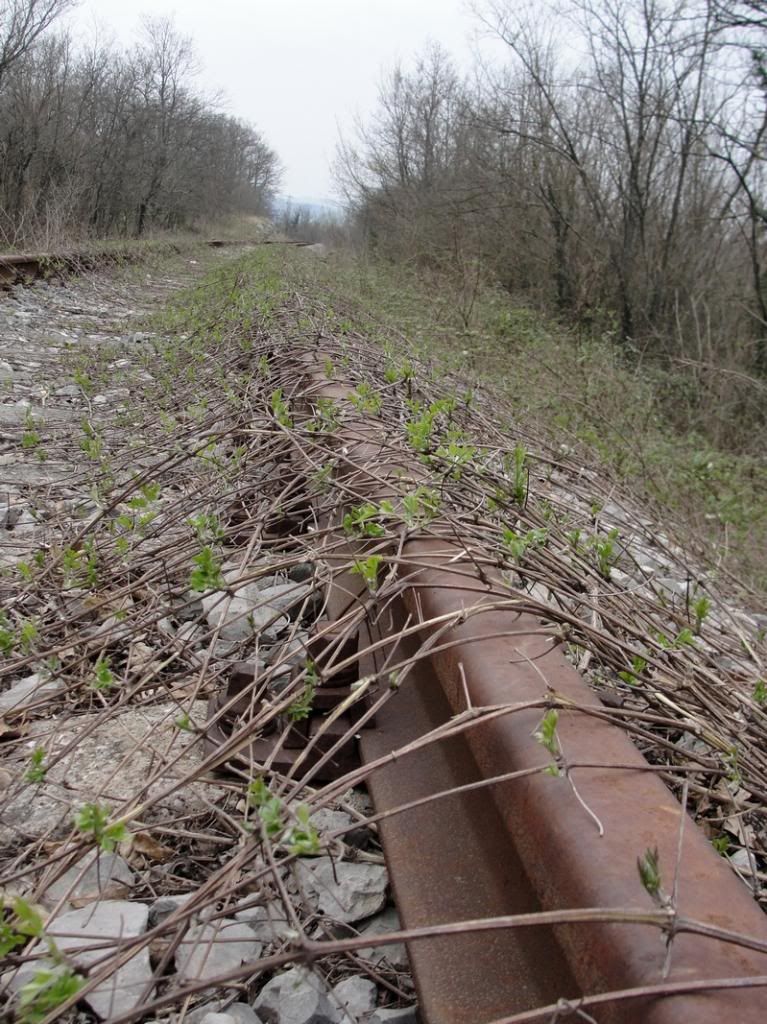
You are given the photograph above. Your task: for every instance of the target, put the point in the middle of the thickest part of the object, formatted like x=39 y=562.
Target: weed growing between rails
x=213 y=522
x=639 y=425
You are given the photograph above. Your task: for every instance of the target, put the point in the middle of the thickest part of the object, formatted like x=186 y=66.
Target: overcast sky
x=298 y=69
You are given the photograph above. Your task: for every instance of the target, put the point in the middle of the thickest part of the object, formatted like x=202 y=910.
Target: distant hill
x=323 y=208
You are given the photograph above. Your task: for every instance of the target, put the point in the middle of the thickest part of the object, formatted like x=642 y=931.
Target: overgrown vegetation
x=622 y=191
x=578 y=391
x=98 y=142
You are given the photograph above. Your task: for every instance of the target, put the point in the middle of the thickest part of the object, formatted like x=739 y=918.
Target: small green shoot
x=649 y=874
x=518 y=544
x=207 y=527
x=301 y=707
x=7 y=636
x=362 y=522
x=27 y=635
x=732 y=760
x=457 y=456
x=638 y=665
x=103 y=677
x=520 y=475
x=701 y=606
x=280 y=409
x=47 y=989
x=207 y=572
x=326 y=417
x=606 y=552
x=366 y=399
x=25 y=924
x=368 y=570
x=760 y=693
x=37 y=769
x=301 y=838
x=684 y=638
x=721 y=843
x=93 y=820
x=546 y=735
x=420 y=507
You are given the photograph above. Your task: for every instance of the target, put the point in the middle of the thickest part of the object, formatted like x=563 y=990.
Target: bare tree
x=21 y=23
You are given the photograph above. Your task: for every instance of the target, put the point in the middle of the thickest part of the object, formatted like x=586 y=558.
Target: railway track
x=365 y=620
x=24 y=268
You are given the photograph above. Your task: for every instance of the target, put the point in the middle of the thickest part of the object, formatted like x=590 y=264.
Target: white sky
x=298 y=69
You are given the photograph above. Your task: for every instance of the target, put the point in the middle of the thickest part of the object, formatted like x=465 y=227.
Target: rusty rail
x=531 y=842
x=23 y=268
x=474 y=826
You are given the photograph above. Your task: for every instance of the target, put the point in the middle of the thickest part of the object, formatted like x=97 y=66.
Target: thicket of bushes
x=99 y=141
x=610 y=169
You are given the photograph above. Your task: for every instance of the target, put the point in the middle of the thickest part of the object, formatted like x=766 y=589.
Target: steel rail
x=537 y=842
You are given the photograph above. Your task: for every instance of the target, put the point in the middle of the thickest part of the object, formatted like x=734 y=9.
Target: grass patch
x=633 y=420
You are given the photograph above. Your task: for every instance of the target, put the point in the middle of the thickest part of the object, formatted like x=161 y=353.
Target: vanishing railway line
x=273 y=565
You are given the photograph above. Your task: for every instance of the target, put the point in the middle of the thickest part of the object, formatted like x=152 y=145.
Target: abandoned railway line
x=330 y=695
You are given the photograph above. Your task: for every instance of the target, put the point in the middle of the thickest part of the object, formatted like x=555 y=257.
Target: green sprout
x=546 y=735
x=47 y=989
x=649 y=874
x=103 y=677
x=638 y=665
x=520 y=475
x=518 y=544
x=368 y=570
x=37 y=770
x=207 y=572
x=362 y=522
x=93 y=820
x=701 y=606
x=606 y=551
x=280 y=409
x=301 y=838
x=366 y=399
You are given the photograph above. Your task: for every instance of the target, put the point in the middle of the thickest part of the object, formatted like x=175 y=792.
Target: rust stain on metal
x=514 y=846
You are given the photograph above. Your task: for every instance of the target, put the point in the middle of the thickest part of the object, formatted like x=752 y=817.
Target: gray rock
x=383 y=924
x=328 y=820
x=734 y=665
x=97 y=875
x=110 y=760
x=167 y=905
x=268 y=923
x=105 y=926
x=243 y=1014
x=301 y=572
x=30 y=690
x=355 y=997
x=346 y=891
x=291 y=654
x=210 y=949
x=673 y=587
x=240 y=1013
x=218 y=1018
x=285 y=597
x=189 y=608
x=6 y=373
x=404 y=1015
x=741 y=860
x=243 y=615
x=295 y=997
